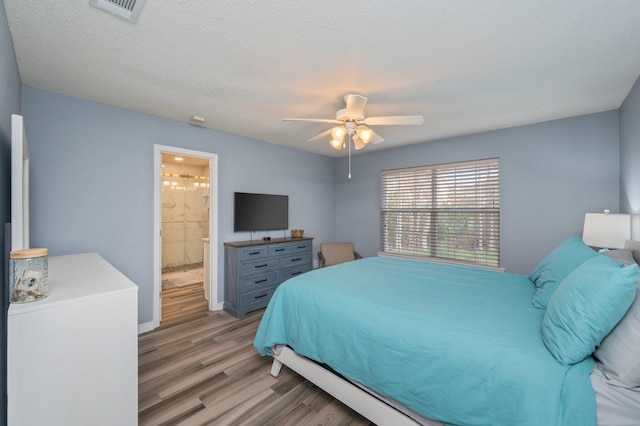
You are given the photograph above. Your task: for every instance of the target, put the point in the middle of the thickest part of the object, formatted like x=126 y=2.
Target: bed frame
x=371 y=407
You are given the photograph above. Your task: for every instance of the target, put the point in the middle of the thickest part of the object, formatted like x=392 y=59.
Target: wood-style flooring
x=200 y=368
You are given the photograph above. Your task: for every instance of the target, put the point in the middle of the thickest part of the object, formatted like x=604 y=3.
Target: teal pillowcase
x=554 y=268
x=586 y=307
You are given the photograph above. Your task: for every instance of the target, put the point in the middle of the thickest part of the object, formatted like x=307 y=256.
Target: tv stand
x=254 y=269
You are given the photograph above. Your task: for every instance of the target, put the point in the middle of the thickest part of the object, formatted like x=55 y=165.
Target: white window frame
x=445 y=212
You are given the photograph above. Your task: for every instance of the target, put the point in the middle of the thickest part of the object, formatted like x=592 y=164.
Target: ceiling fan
x=352 y=123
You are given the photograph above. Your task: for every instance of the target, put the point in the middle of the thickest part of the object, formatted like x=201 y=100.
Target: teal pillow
x=554 y=268
x=586 y=307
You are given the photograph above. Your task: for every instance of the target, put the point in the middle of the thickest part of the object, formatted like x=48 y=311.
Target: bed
x=413 y=342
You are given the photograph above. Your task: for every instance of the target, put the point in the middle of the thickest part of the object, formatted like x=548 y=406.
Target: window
x=447 y=211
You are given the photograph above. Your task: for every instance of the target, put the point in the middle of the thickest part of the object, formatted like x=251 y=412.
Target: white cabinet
x=73 y=356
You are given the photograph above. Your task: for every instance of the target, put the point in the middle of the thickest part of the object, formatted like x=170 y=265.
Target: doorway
x=185 y=217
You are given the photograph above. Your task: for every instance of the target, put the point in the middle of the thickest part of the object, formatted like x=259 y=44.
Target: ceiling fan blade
x=394 y=120
x=376 y=138
x=313 y=120
x=355 y=106
x=320 y=136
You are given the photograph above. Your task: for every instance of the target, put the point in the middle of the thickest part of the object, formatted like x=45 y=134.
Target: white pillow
x=634 y=246
x=618 y=355
x=624 y=256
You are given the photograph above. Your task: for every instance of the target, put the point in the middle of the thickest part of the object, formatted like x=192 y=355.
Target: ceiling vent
x=129 y=10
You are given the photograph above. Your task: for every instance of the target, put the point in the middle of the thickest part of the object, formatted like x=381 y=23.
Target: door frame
x=158 y=150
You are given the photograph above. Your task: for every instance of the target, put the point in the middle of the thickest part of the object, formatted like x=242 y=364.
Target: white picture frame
x=19 y=185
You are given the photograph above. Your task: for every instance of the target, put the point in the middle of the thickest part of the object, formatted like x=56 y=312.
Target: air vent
x=129 y=10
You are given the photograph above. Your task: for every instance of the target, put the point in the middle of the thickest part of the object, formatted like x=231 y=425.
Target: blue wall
x=9 y=104
x=550 y=175
x=92 y=182
x=630 y=158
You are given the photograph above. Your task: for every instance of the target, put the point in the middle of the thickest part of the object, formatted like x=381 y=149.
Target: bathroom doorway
x=186 y=218
x=185 y=230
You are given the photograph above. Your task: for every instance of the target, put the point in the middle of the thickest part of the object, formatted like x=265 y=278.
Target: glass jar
x=28 y=275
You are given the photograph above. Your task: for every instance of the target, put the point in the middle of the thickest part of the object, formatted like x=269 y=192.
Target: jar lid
x=28 y=253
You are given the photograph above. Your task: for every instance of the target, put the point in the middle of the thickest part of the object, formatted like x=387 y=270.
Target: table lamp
x=606 y=230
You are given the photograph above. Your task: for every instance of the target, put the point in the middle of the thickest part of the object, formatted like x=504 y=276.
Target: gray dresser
x=254 y=269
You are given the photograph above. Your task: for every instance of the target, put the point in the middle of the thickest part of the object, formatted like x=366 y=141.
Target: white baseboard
x=147 y=326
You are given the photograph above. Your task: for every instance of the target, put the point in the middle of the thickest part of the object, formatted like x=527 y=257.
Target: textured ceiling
x=466 y=66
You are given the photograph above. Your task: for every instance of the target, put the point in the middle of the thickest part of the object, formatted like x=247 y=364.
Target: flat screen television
x=260 y=212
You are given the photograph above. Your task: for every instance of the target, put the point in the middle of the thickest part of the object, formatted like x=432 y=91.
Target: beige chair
x=335 y=253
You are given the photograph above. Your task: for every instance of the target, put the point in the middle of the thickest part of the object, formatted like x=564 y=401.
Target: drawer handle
x=301 y=247
x=296 y=273
x=260 y=297
x=297 y=259
x=261 y=266
x=280 y=249
x=253 y=252
x=260 y=281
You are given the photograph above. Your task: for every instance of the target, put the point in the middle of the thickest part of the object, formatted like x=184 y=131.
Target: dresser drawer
x=258 y=281
x=257 y=299
x=294 y=272
x=302 y=246
x=260 y=266
x=279 y=249
x=295 y=260
x=250 y=253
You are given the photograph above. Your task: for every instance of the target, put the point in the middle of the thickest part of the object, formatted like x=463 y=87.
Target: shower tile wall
x=185 y=216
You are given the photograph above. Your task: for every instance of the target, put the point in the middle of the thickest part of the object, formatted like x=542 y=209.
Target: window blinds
x=448 y=211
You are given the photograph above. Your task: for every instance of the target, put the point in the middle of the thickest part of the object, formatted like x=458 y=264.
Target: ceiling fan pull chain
x=350 y=155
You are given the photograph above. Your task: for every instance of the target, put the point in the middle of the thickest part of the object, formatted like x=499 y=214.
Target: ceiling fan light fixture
x=338 y=133
x=350 y=129
x=365 y=134
x=336 y=144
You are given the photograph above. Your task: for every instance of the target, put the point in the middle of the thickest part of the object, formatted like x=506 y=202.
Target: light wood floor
x=200 y=368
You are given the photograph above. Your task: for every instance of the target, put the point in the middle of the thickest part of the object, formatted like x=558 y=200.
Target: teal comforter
x=455 y=344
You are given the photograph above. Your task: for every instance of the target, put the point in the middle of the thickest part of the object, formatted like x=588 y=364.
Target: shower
x=185 y=216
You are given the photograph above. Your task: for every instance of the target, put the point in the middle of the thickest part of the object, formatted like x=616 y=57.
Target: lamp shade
x=358 y=143
x=338 y=133
x=606 y=230
x=337 y=144
x=365 y=134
